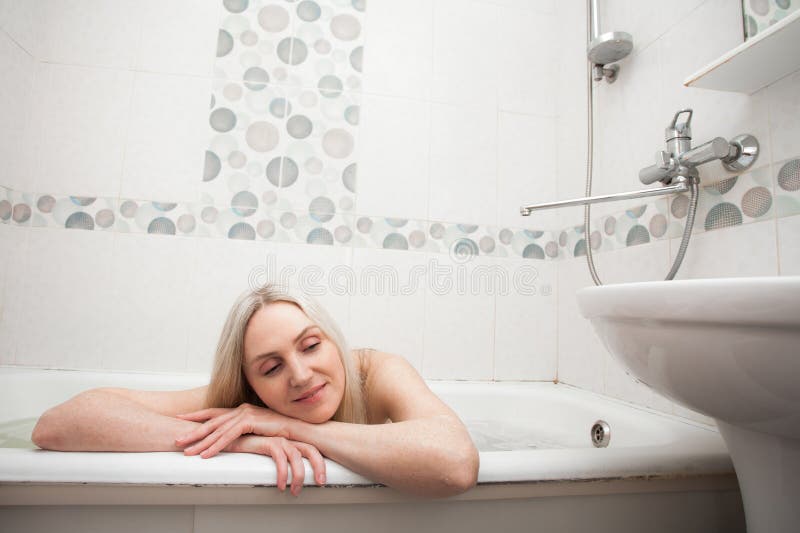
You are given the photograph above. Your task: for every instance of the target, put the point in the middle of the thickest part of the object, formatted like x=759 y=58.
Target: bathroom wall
x=746 y=225
x=178 y=151
x=160 y=156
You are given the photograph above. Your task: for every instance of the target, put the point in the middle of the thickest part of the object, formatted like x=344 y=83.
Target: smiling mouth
x=311 y=395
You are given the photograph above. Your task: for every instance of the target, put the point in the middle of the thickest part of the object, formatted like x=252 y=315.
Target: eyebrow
x=271 y=354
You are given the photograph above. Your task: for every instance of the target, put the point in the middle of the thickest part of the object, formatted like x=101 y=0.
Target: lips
x=311 y=394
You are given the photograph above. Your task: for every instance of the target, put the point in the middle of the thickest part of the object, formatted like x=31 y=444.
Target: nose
x=300 y=373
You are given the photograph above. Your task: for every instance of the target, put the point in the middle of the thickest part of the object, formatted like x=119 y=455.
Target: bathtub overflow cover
x=601 y=434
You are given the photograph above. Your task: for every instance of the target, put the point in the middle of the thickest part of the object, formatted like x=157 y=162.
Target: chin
x=321 y=414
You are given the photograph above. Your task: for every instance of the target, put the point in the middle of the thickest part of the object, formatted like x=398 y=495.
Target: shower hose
x=587 y=235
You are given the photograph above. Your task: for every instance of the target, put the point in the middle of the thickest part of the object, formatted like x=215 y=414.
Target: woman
x=285 y=385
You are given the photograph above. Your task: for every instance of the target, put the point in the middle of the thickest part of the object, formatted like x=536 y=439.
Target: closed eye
x=312 y=347
x=272 y=370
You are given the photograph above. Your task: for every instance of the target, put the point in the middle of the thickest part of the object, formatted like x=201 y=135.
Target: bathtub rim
x=703 y=455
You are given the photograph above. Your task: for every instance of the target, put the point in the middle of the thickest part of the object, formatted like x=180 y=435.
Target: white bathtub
x=659 y=473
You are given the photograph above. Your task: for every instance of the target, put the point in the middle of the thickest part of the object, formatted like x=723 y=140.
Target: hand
x=222 y=426
x=281 y=449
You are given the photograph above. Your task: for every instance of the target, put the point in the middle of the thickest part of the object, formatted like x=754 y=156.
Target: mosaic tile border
x=242 y=221
x=761 y=14
x=771 y=191
x=766 y=192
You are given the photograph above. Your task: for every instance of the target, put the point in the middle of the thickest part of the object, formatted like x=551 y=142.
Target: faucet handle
x=664 y=160
x=665 y=164
x=683 y=129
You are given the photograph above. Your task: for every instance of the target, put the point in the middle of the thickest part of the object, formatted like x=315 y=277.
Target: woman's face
x=291 y=365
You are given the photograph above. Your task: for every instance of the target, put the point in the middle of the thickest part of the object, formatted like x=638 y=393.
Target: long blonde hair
x=229 y=386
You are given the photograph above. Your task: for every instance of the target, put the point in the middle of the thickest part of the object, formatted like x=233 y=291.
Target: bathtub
x=539 y=471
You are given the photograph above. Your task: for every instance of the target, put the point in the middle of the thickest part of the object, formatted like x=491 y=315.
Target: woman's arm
x=121 y=420
x=126 y=420
x=426 y=450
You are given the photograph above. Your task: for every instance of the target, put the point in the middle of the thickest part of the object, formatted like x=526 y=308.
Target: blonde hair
x=229 y=386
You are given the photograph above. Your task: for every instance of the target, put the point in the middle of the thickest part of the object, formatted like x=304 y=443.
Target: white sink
x=728 y=348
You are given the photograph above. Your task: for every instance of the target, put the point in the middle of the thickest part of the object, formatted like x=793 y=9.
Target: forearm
x=431 y=456
x=104 y=421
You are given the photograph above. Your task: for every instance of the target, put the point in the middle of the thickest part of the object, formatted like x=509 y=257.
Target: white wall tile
x=151 y=303
x=643 y=114
x=21 y=21
x=6 y=244
x=13 y=306
x=525 y=337
x=463 y=164
x=16 y=88
x=571 y=104
x=784 y=115
x=789 y=245
x=581 y=357
x=539 y=6
x=716 y=113
x=223 y=271
x=226 y=268
x=179 y=36
x=387 y=304
x=67 y=299
x=644 y=262
x=645 y=21
x=90 y=32
x=465 y=52
x=459 y=322
x=394 y=157
x=310 y=267
x=526 y=63
x=80 y=123
x=167 y=137
x=398 y=48
x=741 y=251
x=526 y=169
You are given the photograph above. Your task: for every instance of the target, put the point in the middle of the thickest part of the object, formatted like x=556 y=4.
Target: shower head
x=609 y=47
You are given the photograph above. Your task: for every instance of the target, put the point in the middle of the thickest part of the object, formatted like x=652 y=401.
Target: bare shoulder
x=395 y=390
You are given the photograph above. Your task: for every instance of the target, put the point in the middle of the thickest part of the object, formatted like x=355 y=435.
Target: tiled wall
x=761 y=14
x=408 y=136
x=322 y=134
x=746 y=225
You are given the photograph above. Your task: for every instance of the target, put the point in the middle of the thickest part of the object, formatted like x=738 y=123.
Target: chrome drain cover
x=601 y=434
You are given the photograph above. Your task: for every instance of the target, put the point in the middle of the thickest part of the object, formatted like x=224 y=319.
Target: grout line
x=773 y=181
x=19 y=45
x=430 y=112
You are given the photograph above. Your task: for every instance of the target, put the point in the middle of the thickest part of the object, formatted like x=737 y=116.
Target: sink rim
x=721 y=301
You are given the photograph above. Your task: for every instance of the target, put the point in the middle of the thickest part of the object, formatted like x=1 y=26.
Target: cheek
x=268 y=392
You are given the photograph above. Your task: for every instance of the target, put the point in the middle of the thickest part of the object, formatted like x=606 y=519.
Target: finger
x=275 y=451
x=298 y=469
x=315 y=458
x=203 y=414
x=219 y=438
x=207 y=427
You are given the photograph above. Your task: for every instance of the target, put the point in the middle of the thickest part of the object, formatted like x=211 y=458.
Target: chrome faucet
x=675 y=167
x=679 y=161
